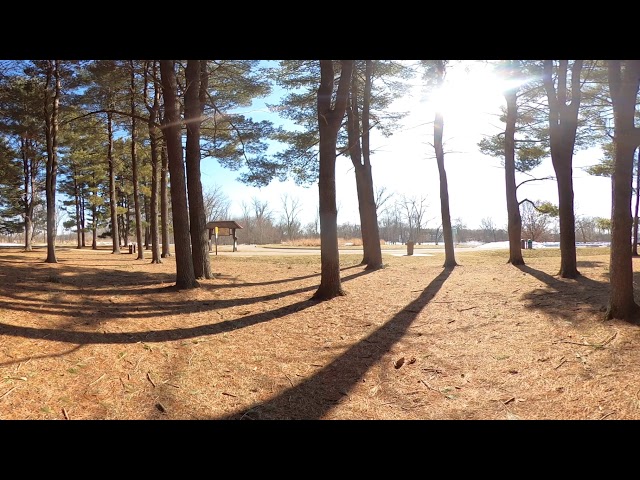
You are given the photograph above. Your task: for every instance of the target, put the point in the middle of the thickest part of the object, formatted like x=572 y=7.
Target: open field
x=103 y=336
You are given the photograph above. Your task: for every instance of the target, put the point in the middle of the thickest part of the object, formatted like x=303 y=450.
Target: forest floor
x=104 y=336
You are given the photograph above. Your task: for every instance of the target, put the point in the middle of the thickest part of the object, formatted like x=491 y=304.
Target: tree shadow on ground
x=97 y=313
x=317 y=395
x=589 y=264
x=564 y=297
x=271 y=282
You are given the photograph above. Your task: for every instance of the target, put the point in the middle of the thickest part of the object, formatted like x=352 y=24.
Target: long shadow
x=78 y=337
x=149 y=336
x=82 y=276
x=567 y=296
x=589 y=264
x=315 y=396
x=272 y=282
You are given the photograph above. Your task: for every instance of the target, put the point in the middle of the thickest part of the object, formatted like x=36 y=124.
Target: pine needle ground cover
x=103 y=336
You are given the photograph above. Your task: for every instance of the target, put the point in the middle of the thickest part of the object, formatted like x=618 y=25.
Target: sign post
x=216 y=240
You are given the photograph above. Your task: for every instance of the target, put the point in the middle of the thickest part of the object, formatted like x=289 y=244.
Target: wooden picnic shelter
x=219 y=228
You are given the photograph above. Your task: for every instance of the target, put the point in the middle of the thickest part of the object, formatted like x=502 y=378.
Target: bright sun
x=468 y=93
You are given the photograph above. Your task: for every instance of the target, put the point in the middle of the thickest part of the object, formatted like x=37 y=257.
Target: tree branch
x=533 y=180
x=117 y=112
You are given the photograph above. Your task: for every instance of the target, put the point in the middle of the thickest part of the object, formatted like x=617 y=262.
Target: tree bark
x=94 y=228
x=164 y=201
x=194 y=98
x=115 y=232
x=185 y=277
x=76 y=197
x=329 y=122
x=623 y=87
x=29 y=172
x=134 y=163
x=447 y=233
x=51 y=110
x=360 y=158
x=155 y=141
x=637 y=207
x=146 y=210
x=514 y=220
x=563 y=124
x=83 y=224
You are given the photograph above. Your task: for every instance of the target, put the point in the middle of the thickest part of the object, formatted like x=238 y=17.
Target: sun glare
x=469 y=93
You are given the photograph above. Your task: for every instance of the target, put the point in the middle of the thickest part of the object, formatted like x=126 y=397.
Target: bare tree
x=382 y=197
x=406 y=205
x=312 y=229
x=419 y=210
x=392 y=224
x=216 y=203
x=460 y=229
x=585 y=228
x=262 y=216
x=248 y=222
x=291 y=207
x=535 y=224
x=489 y=229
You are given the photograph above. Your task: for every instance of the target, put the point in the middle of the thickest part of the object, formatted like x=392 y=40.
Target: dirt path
x=99 y=336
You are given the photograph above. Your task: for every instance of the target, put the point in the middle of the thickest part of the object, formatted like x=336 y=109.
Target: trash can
x=529 y=244
x=410 y=248
x=523 y=244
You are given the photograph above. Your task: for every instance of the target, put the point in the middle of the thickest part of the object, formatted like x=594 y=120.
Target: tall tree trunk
x=115 y=232
x=185 y=277
x=83 y=224
x=329 y=121
x=563 y=124
x=146 y=208
x=94 y=228
x=28 y=230
x=164 y=201
x=373 y=259
x=29 y=172
x=134 y=163
x=637 y=207
x=28 y=219
x=514 y=220
x=155 y=187
x=194 y=98
x=360 y=157
x=623 y=87
x=77 y=206
x=372 y=252
x=51 y=110
x=447 y=233
x=153 y=107
x=126 y=218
